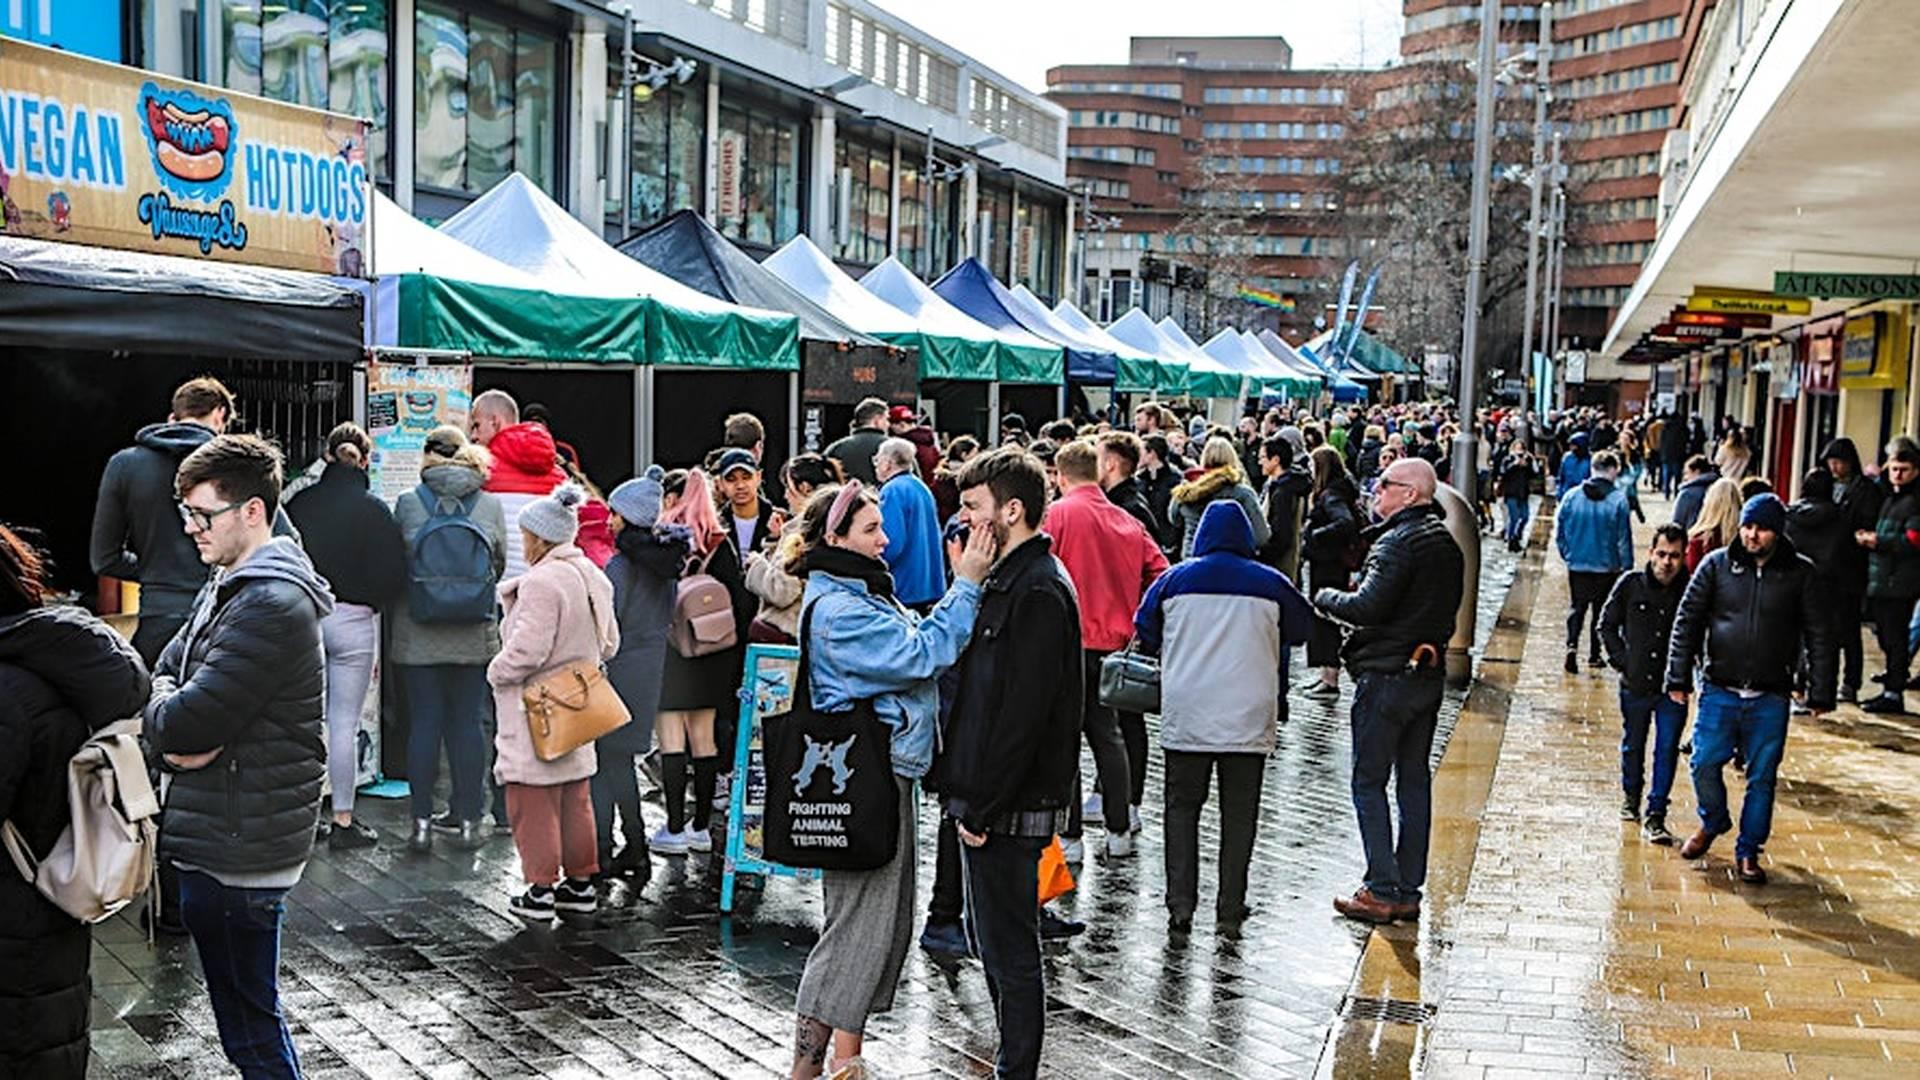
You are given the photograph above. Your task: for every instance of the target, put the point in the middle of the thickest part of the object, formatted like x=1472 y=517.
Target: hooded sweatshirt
x=1860 y=499
x=1219 y=622
x=1575 y=466
x=525 y=468
x=1594 y=528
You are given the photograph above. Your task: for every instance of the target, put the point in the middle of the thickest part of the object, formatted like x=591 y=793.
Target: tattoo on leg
x=810 y=1040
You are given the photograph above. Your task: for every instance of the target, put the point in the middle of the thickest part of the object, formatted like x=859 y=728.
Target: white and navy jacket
x=1219 y=622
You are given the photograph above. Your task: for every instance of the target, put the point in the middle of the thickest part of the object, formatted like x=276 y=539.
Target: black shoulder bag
x=832 y=800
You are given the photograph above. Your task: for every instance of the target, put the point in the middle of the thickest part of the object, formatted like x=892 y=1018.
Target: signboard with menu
x=404 y=403
x=109 y=156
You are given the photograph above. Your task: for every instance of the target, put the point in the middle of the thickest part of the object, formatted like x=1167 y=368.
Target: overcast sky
x=1023 y=38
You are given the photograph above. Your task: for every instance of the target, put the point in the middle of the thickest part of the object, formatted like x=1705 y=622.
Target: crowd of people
x=970 y=594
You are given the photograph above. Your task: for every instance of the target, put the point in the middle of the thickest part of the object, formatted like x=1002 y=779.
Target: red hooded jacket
x=525 y=461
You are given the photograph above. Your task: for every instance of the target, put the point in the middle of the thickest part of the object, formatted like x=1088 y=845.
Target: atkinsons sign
x=96 y=153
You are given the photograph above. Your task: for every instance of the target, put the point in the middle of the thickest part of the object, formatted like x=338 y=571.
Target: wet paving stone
x=407 y=966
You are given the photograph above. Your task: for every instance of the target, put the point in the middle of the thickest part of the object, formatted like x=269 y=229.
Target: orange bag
x=1055 y=879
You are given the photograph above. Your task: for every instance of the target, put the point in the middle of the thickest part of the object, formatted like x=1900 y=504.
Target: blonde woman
x=1221 y=478
x=1717 y=524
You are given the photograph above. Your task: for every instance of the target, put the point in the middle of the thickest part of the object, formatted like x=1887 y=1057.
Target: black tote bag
x=832 y=801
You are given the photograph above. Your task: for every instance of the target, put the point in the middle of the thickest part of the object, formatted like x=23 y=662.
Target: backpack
x=702 y=615
x=105 y=856
x=450 y=576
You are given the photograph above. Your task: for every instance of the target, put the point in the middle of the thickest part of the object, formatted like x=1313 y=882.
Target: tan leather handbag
x=573 y=704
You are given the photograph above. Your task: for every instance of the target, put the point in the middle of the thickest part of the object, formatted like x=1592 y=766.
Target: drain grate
x=1386 y=1010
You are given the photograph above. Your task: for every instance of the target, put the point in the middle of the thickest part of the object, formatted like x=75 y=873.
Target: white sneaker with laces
x=668 y=843
x=1119 y=845
x=697 y=839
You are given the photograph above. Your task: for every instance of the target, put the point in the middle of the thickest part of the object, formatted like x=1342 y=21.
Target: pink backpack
x=702 y=615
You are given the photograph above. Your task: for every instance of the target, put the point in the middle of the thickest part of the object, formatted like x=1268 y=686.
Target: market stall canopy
x=1231 y=349
x=1136 y=331
x=1323 y=349
x=943 y=355
x=1018 y=356
x=71 y=296
x=518 y=224
x=1137 y=370
x=690 y=251
x=1287 y=360
x=1206 y=377
x=971 y=288
x=1343 y=388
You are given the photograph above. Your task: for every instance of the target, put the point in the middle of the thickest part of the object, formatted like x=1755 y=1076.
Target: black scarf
x=844 y=563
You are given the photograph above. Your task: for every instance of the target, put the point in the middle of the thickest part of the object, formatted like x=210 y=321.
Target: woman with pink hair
x=696 y=693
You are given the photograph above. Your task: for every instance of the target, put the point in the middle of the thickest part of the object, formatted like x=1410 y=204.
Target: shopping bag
x=1056 y=879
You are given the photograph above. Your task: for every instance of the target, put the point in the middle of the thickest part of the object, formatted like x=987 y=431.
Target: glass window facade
x=995 y=242
x=767 y=209
x=473 y=76
x=328 y=54
x=863 y=195
x=669 y=136
x=1042 y=226
x=915 y=231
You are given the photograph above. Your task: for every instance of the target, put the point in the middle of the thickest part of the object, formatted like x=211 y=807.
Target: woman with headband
x=863 y=645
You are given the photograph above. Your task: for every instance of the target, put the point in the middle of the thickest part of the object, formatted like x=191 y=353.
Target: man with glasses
x=1401 y=613
x=237 y=716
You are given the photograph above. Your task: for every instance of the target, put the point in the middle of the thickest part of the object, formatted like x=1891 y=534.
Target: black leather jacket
x=1012 y=743
x=1755 y=620
x=1408 y=594
x=246 y=676
x=1637 y=626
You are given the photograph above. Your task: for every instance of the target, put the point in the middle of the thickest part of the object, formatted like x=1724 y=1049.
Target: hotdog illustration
x=192 y=140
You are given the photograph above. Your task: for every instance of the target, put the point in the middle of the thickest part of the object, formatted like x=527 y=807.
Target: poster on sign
x=766 y=691
x=109 y=156
x=404 y=403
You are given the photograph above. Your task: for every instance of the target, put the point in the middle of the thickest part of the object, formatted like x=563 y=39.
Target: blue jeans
x=237 y=933
x=1757 y=727
x=1394 y=716
x=1518 y=510
x=444 y=704
x=1667 y=718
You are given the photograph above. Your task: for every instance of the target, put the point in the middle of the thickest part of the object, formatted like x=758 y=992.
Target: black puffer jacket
x=351 y=537
x=63 y=675
x=1333 y=534
x=1012 y=742
x=1637 y=626
x=1128 y=496
x=1408 y=594
x=1755 y=620
x=1893 y=567
x=246 y=675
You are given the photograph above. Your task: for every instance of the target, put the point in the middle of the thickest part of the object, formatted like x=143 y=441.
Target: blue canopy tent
x=973 y=289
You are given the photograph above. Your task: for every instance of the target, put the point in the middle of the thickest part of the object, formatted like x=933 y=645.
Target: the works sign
x=1827 y=286
x=100 y=154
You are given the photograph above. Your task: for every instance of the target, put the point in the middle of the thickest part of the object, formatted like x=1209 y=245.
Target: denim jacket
x=864 y=646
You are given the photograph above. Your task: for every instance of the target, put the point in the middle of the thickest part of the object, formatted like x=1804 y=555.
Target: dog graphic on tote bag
x=830 y=754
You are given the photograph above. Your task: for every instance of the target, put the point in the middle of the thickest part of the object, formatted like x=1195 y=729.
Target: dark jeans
x=1890 y=618
x=1003 y=925
x=616 y=788
x=1667 y=718
x=1757 y=729
x=1189 y=776
x=445 y=705
x=1590 y=589
x=1845 y=636
x=949 y=893
x=1133 y=732
x=237 y=932
x=1102 y=729
x=1394 y=716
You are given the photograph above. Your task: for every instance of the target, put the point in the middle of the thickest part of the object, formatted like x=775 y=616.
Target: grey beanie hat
x=1296 y=439
x=556 y=518
x=638 y=500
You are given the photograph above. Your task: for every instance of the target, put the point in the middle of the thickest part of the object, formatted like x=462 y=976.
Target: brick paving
x=399 y=966
x=1578 y=948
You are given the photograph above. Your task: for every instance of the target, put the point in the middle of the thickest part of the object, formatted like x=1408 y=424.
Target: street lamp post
x=1542 y=95
x=1465 y=450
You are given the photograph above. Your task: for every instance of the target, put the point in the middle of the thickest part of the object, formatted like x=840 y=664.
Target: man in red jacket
x=1111 y=560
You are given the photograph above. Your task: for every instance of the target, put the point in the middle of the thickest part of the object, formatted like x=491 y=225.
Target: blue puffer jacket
x=1594 y=528
x=867 y=646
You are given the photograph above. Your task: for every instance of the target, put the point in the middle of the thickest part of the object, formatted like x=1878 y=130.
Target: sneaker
x=1119 y=845
x=1323 y=690
x=1800 y=709
x=421 y=840
x=950 y=938
x=631 y=862
x=352 y=835
x=444 y=821
x=575 y=897
x=668 y=843
x=1573 y=661
x=1094 y=807
x=534 y=905
x=854 y=1068
x=1654 y=831
x=1133 y=819
x=1630 y=809
x=697 y=839
x=501 y=826
x=1886 y=703
x=1058 y=927
x=1073 y=849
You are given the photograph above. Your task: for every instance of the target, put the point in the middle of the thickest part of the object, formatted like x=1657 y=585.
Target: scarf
x=842 y=563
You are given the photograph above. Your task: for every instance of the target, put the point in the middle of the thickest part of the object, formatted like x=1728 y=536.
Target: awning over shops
x=1137 y=371
x=69 y=296
x=1019 y=357
x=974 y=290
x=434 y=292
x=519 y=225
x=1343 y=388
x=1206 y=377
x=948 y=350
x=1233 y=350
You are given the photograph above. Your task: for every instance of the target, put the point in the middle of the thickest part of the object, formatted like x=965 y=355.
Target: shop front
x=1873 y=366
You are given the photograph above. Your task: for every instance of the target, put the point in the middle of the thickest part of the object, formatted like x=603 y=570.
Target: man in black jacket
x=1288 y=488
x=1893 y=571
x=1158 y=477
x=855 y=452
x=1637 y=625
x=236 y=713
x=1673 y=453
x=1402 y=612
x=1012 y=745
x=1757 y=602
x=1859 y=499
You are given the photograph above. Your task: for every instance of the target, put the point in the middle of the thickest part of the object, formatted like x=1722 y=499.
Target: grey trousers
x=854 y=968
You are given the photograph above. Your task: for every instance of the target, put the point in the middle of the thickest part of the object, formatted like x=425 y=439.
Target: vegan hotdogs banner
x=96 y=153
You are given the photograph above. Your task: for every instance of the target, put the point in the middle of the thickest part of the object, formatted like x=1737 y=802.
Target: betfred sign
x=1683 y=317
x=104 y=155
